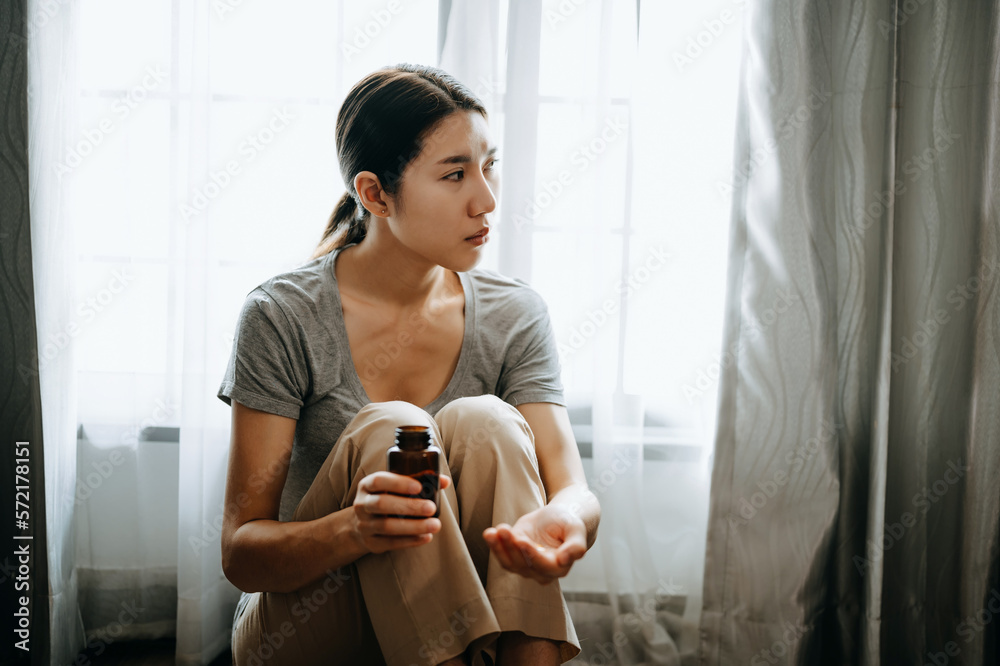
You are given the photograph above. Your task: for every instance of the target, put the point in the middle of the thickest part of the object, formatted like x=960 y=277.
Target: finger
x=524 y=566
x=392 y=527
x=523 y=552
x=501 y=529
x=537 y=558
x=510 y=557
x=573 y=548
x=520 y=541
x=540 y=559
x=389 y=504
x=521 y=556
x=445 y=481
x=523 y=541
x=569 y=552
x=389 y=482
x=380 y=544
x=492 y=536
x=498 y=549
x=515 y=563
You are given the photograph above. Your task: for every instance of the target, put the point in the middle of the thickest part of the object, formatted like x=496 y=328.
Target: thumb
x=571 y=550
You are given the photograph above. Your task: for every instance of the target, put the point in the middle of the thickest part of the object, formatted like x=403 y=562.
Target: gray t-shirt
x=291 y=357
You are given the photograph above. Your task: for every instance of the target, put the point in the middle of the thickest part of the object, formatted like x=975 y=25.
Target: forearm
x=273 y=556
x=581 y=501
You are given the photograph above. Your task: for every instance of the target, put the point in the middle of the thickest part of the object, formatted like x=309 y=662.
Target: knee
x=488 y=421
x=374 y=426
x=395 y=413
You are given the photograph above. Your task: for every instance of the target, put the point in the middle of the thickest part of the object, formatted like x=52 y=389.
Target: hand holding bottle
x=382 y=495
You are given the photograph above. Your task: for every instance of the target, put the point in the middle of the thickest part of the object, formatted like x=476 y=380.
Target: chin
x=463 y=267
x=463 y=264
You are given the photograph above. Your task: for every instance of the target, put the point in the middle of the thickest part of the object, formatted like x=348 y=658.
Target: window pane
x=682 y=164
x=110 y=29
x=276 y=49
x=274 y=180
x=373 y=36
x=119 y=170
x=122 y=316
x=580 y=163
x=569 y=48
x=577 y=275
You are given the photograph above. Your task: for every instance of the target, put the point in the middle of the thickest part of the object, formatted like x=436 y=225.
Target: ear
x=373 y=197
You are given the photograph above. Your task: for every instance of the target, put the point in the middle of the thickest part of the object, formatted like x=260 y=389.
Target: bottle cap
x=413 y=438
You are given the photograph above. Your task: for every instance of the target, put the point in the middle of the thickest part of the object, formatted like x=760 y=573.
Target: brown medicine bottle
x=415 y=455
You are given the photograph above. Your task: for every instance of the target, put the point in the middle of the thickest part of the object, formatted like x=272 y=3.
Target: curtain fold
x=51 y=77
x=853 y=520
x=206 y=600
x=24 y=324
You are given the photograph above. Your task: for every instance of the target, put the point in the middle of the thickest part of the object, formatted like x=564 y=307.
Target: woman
x=389 y=325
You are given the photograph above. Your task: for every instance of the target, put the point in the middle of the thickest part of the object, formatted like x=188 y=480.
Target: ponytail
x=345 y=226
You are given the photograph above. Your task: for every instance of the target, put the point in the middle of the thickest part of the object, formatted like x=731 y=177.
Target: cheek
x=426 y=196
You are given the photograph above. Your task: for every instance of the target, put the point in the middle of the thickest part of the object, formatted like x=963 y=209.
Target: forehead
x=461 y=133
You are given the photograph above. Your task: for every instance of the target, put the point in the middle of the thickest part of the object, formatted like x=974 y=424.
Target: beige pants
x=426 y=604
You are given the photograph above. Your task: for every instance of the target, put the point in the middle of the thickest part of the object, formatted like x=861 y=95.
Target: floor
x=592 y=619
x=139 y=653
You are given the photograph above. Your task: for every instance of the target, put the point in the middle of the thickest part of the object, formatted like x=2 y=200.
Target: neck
x=381 y=269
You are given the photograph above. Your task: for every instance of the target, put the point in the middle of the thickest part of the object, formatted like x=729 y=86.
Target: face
x=449 y=193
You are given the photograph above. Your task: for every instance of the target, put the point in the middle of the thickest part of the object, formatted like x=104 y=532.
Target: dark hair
x=380 y=128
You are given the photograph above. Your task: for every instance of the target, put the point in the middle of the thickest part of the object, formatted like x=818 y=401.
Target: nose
x=483 y=199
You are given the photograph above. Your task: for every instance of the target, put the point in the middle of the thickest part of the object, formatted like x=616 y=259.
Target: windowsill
x=659 y=443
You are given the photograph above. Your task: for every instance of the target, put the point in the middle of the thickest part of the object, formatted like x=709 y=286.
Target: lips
x=480 y=237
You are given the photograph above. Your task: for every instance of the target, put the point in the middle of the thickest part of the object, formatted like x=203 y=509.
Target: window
x=272 y=175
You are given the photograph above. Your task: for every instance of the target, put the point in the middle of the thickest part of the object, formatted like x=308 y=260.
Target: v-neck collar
x=351 y=373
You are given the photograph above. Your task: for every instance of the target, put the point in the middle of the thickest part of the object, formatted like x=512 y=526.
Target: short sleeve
x=267 y=368
x=531 y=370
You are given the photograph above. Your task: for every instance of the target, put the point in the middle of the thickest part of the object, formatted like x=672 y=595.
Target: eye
x=492 y=164
x=459 y=176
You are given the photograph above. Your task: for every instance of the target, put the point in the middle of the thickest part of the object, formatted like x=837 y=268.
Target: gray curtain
x=24 y=543
x=855 y=502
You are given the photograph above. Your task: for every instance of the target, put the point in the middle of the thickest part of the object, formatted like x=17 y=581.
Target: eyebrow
x=464 y=159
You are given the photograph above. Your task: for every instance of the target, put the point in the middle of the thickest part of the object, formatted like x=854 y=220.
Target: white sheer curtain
x=616 y=157
x=205 y=599
x=51 y=105
x=199 y=163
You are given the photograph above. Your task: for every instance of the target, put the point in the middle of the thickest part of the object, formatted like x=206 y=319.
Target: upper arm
x=530 y=372
x=558 y=456
x=261 y=447
x=268 y=368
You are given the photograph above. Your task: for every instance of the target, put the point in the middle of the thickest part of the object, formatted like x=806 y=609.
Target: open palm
x=542 y=544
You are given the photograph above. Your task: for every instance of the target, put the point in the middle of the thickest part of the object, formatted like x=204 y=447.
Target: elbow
x=232 y=567
x=229 y=566
x=239 y=577
x=244 y=571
